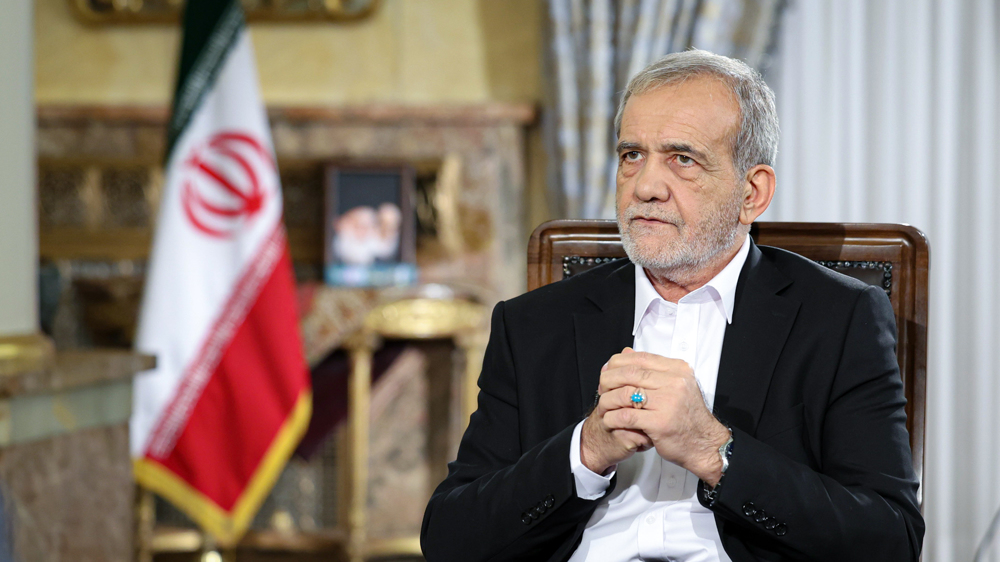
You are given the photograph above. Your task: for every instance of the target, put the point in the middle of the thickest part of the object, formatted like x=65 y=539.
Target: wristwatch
x=726 y=451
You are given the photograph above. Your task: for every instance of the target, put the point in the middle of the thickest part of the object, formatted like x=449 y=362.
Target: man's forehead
x=699 y=106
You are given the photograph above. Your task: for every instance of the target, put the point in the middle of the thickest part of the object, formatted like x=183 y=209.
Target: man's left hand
x=674 y=415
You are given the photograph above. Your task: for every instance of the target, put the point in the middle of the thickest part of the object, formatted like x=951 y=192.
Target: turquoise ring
x=638 y=398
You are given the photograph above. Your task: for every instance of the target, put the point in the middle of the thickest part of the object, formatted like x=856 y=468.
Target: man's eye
x=685 y=160
x=631 y=156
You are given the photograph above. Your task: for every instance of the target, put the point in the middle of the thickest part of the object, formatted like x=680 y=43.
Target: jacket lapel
x=605 y=331
x=761 y=323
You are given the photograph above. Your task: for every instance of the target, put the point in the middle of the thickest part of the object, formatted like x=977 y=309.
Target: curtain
x=596 y=46
x=889 y=113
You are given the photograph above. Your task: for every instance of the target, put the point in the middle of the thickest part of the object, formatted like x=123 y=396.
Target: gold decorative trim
x=403 y=546
x=425 y=318
x=176 y=540
x=24 y=354
x=126 y=12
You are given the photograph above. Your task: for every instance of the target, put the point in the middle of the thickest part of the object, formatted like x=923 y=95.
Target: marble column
x=18 y=220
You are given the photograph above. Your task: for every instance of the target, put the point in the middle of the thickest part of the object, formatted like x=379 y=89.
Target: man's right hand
x=601 y=447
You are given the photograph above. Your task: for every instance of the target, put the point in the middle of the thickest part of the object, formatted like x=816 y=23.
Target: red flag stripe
x=233 y=316
x=244 y=405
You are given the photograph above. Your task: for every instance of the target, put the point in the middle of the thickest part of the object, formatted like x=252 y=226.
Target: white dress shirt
x=653 y=514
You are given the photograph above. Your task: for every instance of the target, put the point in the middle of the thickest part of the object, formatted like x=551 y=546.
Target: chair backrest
x=892 y=256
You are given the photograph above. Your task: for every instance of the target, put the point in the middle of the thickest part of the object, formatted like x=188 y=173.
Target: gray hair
x=757 y=139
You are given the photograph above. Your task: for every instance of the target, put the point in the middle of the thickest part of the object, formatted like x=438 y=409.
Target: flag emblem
x=227 y=182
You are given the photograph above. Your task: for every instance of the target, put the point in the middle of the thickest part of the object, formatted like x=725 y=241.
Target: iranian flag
x=214 y=423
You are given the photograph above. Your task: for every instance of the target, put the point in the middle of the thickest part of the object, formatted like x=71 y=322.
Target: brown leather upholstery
x=893 y=256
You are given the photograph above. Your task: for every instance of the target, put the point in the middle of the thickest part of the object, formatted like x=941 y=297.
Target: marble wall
x=70 y=496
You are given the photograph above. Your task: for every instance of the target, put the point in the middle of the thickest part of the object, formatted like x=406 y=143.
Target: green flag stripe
x=193 y=84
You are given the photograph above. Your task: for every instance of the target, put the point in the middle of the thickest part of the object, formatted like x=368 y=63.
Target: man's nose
x=652 y=183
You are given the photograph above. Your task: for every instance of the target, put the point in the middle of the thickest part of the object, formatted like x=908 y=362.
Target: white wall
x=889 y=113
x=18 y=228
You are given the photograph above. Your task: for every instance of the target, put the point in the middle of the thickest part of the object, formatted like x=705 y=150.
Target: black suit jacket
x=808 y=381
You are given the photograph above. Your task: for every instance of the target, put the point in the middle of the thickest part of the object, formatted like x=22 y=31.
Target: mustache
x=650 y=212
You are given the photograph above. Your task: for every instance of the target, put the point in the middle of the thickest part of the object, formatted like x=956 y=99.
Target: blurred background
x=498 y=115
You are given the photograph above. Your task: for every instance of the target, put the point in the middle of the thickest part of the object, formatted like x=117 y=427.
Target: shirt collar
x=721 y=288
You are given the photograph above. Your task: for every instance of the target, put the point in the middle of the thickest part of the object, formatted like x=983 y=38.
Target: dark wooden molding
x=879 y=272
x=114 y=244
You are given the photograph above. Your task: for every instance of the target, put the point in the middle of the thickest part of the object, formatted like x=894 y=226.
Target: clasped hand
x=674 y=418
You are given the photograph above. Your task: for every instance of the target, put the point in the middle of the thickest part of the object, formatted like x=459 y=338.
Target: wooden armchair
x=892 y=256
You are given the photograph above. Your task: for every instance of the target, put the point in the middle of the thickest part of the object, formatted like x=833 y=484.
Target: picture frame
x=369 y=224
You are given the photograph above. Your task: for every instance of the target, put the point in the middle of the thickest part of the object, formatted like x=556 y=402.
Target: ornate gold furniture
x=416 y=318
x=892 y=256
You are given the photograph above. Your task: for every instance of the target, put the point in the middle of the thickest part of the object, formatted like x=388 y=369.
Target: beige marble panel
x=71 y=496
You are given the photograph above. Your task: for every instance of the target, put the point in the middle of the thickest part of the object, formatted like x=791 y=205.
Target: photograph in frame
x=370 y=226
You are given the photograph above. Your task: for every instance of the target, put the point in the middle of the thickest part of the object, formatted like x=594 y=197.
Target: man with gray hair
x=748 y=401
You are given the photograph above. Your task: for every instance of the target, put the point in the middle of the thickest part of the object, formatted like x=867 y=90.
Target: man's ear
x=758 y=189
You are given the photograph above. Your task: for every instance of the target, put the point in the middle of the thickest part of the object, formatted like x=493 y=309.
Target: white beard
x=693 y=247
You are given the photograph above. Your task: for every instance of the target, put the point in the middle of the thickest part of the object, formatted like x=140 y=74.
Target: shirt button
x=672 y=480
x=684 y=346
x=650 y=519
